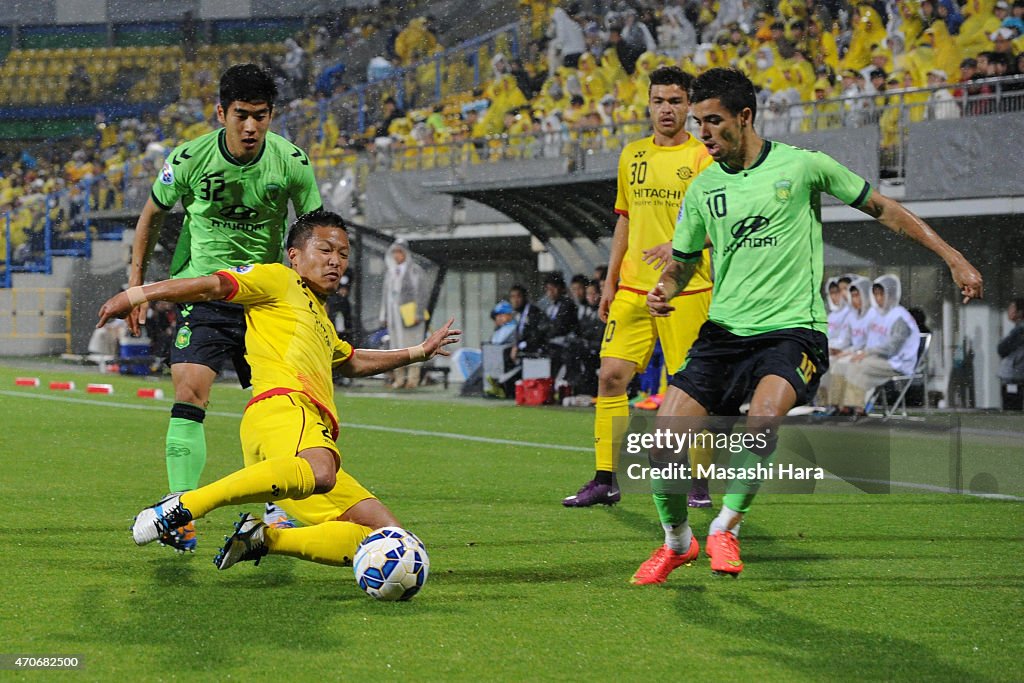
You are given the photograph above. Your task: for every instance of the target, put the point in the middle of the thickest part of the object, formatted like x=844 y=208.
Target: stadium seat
x=900 y=384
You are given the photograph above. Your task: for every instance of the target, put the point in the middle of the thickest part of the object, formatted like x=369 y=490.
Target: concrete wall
x=91 y=281
x=977 y=157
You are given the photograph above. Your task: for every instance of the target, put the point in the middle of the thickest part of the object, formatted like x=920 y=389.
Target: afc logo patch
x=167 y=174
x=783 y=190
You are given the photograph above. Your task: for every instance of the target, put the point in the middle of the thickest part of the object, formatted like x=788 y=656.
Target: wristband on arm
x=417 y=353
x=136 y=295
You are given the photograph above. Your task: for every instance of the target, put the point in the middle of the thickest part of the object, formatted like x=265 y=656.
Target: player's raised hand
x=117 y=306
x=657 y=302
x=968 y=279
x=607 y=297
x=435 y=343
x=658 y=256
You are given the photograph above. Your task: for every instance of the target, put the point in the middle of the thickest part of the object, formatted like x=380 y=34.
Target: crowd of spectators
x=578 y=77
x=561 y=327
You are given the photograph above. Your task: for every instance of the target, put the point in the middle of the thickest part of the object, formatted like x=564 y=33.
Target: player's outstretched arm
x=147 y=232
x=367 y=362
x=208 y=288
x=903 y=222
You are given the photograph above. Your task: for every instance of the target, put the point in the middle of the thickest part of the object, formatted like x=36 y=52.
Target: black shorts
x=722 y=369
x=210 y=333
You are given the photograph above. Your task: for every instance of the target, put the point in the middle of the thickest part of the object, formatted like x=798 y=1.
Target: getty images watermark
x=666 y=441
x=931 y=453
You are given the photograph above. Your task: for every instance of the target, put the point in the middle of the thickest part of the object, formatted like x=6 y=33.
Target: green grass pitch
x=898 y=587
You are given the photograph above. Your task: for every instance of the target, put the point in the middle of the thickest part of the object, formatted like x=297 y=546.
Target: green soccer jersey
x=235 y=214
x=765 y=225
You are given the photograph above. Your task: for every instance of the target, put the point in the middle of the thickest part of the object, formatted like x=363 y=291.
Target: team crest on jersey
x=272 y=191
x=684 y=173
x=184 y=337
x=242 y=270
x=166 y=174
x=783 y=190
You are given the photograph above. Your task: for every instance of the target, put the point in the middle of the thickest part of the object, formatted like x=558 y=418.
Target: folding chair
x=901 y=383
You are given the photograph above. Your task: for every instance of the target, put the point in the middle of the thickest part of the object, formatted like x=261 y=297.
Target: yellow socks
x=332 y=543
x=260 y=483
x=608 y=408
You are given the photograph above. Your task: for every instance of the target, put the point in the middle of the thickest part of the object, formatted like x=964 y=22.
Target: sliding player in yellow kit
x=290 y=426
x=654 y=174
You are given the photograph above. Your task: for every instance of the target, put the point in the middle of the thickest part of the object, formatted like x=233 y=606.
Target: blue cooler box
x=134 y=357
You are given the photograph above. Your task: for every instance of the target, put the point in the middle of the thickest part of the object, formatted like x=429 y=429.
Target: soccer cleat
x=276 y=518
x=699 y=497
x=651 y=402
x=593 y=493
x=247 y=543
x=182 y=539
x=661 y=563
x=724 y=550
x=160 y=520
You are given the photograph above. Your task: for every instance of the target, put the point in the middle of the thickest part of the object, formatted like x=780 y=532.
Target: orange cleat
x=724 y=550
x=651 y=402
x=661 y=563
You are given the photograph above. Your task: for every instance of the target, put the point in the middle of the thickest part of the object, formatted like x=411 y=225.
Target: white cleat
x=160 y=520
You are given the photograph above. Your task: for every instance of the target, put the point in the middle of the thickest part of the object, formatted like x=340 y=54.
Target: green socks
x=185 y=447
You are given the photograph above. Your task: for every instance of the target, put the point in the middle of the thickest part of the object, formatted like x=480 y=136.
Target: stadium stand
x=498 y=96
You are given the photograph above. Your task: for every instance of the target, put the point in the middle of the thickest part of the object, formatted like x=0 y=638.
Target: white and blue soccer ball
x=391 y=564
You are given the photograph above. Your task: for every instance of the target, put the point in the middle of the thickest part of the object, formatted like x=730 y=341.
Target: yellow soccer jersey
x=289 y=340
x=651 y=184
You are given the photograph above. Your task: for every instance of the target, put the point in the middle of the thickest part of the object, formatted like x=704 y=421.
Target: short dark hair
x=247 y=83
x=1018 y=303
x=303 y=226
x=671 y=75
x=522 y=291
x=844 y=280
x=833 y=286
x=731 y=87
x=555 y=279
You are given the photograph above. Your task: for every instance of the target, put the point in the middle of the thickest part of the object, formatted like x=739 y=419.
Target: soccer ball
x=391 y=564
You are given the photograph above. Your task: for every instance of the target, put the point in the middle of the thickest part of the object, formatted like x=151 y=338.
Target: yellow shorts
x=283 y=426
x=631 y=330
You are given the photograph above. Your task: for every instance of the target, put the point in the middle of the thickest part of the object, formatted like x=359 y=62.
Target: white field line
x=469 y=437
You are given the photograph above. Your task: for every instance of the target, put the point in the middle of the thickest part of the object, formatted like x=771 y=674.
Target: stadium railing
x=896 y=113
x=53 y=225
x=47 y=236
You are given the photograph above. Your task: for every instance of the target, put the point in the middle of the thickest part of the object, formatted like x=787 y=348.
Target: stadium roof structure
x=583 y=208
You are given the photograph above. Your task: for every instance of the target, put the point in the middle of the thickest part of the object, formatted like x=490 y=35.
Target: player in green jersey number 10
x=765 y=336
